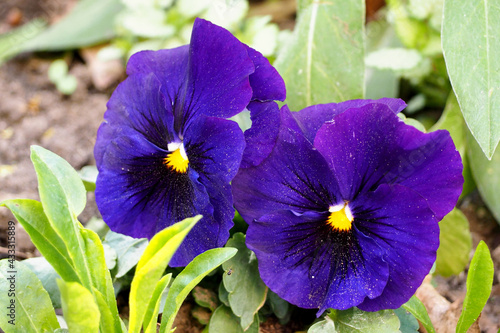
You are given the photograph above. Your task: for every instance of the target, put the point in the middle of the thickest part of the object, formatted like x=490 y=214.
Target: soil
x=33 y=112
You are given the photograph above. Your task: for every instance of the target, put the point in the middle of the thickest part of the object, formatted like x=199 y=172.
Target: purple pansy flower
x=343 y=202
x=165 y=151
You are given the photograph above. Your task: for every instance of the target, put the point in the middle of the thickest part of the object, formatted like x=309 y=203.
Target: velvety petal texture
x=343 y=203
x=165 y=151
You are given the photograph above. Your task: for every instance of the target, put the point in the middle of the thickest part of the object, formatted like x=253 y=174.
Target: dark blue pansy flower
x=165 y=151
x=343 y=202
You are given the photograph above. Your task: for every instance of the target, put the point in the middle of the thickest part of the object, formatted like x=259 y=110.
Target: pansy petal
x=294 y=176
x=214 y=147
x=313 y=117
x=134 y=111
x=266 y=82
x=219 y=66
x=401 y=222
x=299 y=254
x=261 y=137
x=369 y=146
x=138 y=195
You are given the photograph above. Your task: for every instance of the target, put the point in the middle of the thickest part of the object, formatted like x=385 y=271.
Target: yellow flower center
x=177 y=161
x=340 y=217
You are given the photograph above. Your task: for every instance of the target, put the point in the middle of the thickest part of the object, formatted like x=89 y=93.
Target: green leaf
x=223 y=320
x=89 y=176
x=455 y=244
x=48 y=276
x=324 y=326
x=151 y=266
x=324 y=60
x=194 y=272
x=355 y=320
x=247 y=292
x=205 y=298
x=12 y=41
x=151 y=316
x=128 y=250
x=79 y=308
x=279 y=306
x=472 y=53
x=101 y=279
x=479 y=285
x=63 y=197
x=409 y=323
x=417 y=308
x=486 y=174
x=31 y=216
x=33 y=311
x=90 y=22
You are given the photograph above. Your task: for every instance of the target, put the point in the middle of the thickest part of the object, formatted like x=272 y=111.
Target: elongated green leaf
x=107 y=321
x=486 y=174
x=101 y=279
x=26 y=306
x=11 y=42
x=63 y=197
x=479 y=284
x=355 y=320
x=194 y=272
x=324 y=61
x=472 y=53
x=151 y=316
x=151 y=266
x=90 y=22
x=89 y=176
x=79 y=308
x=455 y=244
x=31 y=216
x=247 y=292
x=417 y=308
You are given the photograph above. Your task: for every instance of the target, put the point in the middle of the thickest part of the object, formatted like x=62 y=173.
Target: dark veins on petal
x=327 y=248
x=152 y=181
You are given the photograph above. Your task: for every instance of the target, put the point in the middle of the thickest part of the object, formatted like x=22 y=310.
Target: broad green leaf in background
x=455 y=244
x=357 y=321
x=194 y=272
x=206 y=298
x=409 y=323
x=486 y=174
x=247 y=292
x=280 y=307
x=324 y=60
x=33 y=309
x=63 y=197
x=79 y=308
x=417 y=308
x=471 y=48
x=89 y=176
x=151 y=266
x=452 y=120
x=128 y=250
x=90 y=22
x=223 y=320
x=479 y=284
x=31 y=216
x=48 y=276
